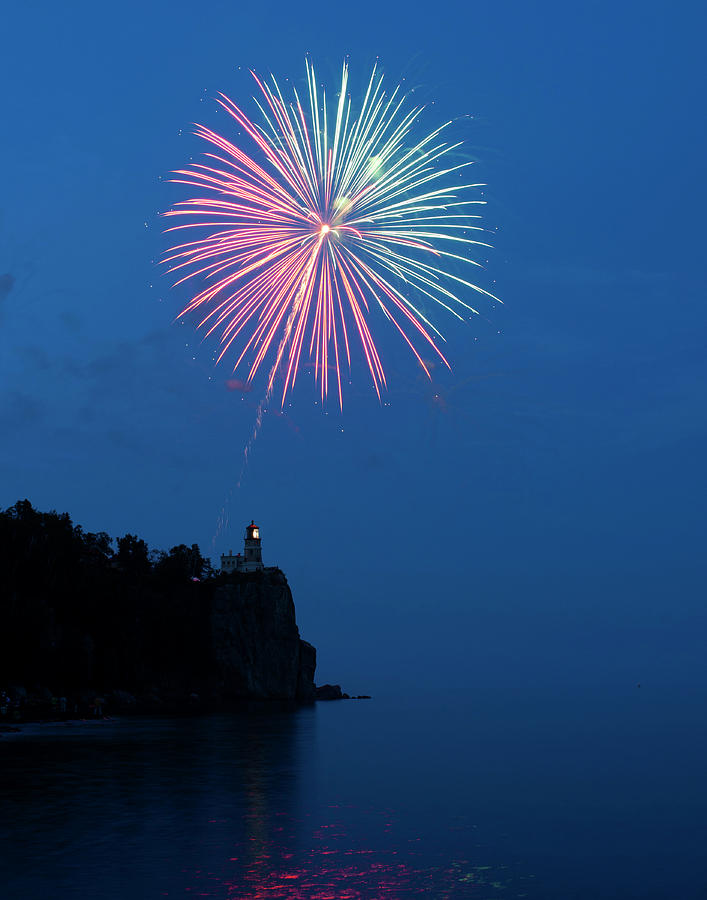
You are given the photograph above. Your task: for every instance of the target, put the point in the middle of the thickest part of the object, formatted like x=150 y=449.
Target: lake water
x=545 y=796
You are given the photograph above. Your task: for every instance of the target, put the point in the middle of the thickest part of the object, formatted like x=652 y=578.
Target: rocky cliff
x=159 y=630
x=258 y=652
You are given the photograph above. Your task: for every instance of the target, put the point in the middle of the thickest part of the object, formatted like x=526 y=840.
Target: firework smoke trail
x=271 y=381
x=348 y=215
x=222 y=521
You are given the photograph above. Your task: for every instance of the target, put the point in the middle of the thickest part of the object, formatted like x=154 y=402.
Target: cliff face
x=78 y=619
x=258 y=652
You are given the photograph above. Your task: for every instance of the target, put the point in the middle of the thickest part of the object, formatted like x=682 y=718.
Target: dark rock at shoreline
x=334 y=692
x=328 y=692
x=123 y=700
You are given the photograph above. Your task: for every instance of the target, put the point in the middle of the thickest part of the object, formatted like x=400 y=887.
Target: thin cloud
x=7 y=282
x=19 y=410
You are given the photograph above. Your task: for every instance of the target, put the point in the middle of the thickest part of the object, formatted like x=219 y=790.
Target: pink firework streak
x=339 y=215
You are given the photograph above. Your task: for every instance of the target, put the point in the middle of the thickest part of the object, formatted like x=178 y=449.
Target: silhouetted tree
x=182 y=563
x=133 y=555
x=73 y=614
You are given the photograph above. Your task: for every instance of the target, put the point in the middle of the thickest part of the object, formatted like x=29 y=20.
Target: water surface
x=548 y=796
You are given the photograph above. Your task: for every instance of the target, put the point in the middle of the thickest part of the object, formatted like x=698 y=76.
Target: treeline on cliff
x=78 y=611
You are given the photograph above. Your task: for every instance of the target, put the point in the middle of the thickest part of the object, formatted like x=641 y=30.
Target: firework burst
x=340 y=215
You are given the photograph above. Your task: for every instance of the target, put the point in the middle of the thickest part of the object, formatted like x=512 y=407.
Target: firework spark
x=339 y=214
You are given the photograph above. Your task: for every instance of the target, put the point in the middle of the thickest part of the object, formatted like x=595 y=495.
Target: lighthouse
x=252 y=558
x=252 y=554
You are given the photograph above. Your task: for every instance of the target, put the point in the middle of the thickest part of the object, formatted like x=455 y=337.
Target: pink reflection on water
x=337 y=867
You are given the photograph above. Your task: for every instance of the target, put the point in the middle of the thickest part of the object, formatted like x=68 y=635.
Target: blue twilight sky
x=537 y=514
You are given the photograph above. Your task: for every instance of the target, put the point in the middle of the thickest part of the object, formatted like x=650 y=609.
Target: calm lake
x=546 y=796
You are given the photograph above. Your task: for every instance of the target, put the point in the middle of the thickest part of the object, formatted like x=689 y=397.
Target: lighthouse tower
x=252 y=560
